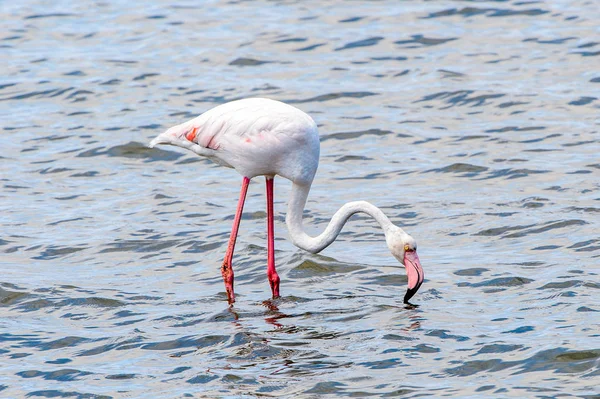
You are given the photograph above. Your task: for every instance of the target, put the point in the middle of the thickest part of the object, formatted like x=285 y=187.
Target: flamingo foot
x=230 y=295
x=227 y=273
x=274 y=283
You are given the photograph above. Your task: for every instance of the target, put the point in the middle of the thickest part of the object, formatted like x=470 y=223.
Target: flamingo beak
x=415 y=274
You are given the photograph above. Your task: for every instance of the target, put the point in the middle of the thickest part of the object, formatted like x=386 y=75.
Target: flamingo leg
x=226 y=268
x=271 y=272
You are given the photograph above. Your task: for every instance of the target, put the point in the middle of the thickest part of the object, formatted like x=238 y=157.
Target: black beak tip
x=410 y=293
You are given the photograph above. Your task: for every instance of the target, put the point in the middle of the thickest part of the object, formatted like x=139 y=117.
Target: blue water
x=473 y=125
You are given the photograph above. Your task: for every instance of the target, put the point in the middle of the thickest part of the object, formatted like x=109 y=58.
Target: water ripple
x=372 y=41
x=472 y=125
x=522 y=231
x=488 y=12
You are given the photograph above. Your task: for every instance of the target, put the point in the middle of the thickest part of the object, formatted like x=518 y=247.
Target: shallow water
x=474 y=125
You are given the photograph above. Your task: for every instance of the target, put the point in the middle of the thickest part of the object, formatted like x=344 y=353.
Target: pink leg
x=226 y=269
x=271 y=272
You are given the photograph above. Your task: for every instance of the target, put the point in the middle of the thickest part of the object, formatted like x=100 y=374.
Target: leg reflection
x=273 y=314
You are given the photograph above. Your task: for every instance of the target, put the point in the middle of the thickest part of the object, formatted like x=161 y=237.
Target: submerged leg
x=271 y=273
x=226 y=269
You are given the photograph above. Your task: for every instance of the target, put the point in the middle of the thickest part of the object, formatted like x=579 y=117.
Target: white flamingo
x=262 y=137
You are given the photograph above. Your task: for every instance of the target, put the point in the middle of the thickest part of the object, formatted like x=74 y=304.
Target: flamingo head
x=404 y=248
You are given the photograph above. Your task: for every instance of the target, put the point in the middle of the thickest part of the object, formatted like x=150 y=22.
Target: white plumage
x=262 y=137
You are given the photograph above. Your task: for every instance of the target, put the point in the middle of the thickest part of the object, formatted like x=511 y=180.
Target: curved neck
x=317 y=244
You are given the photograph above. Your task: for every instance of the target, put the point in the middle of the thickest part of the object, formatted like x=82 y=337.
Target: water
x=474 y=125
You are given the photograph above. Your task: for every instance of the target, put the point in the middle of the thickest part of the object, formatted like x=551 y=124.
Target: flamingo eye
x=408 y=248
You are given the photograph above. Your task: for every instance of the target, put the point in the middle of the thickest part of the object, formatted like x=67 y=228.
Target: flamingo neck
x=317 y=244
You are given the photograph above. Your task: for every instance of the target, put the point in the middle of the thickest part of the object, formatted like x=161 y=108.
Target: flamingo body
x=255 y=136
x=262 y=137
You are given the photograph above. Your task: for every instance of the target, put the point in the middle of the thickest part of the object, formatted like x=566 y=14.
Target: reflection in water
x=416 y=324
x=273 y=314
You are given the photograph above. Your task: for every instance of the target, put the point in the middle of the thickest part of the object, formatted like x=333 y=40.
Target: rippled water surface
x=473 y=124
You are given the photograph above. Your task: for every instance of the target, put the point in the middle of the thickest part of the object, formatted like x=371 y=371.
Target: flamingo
x=264 y=137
